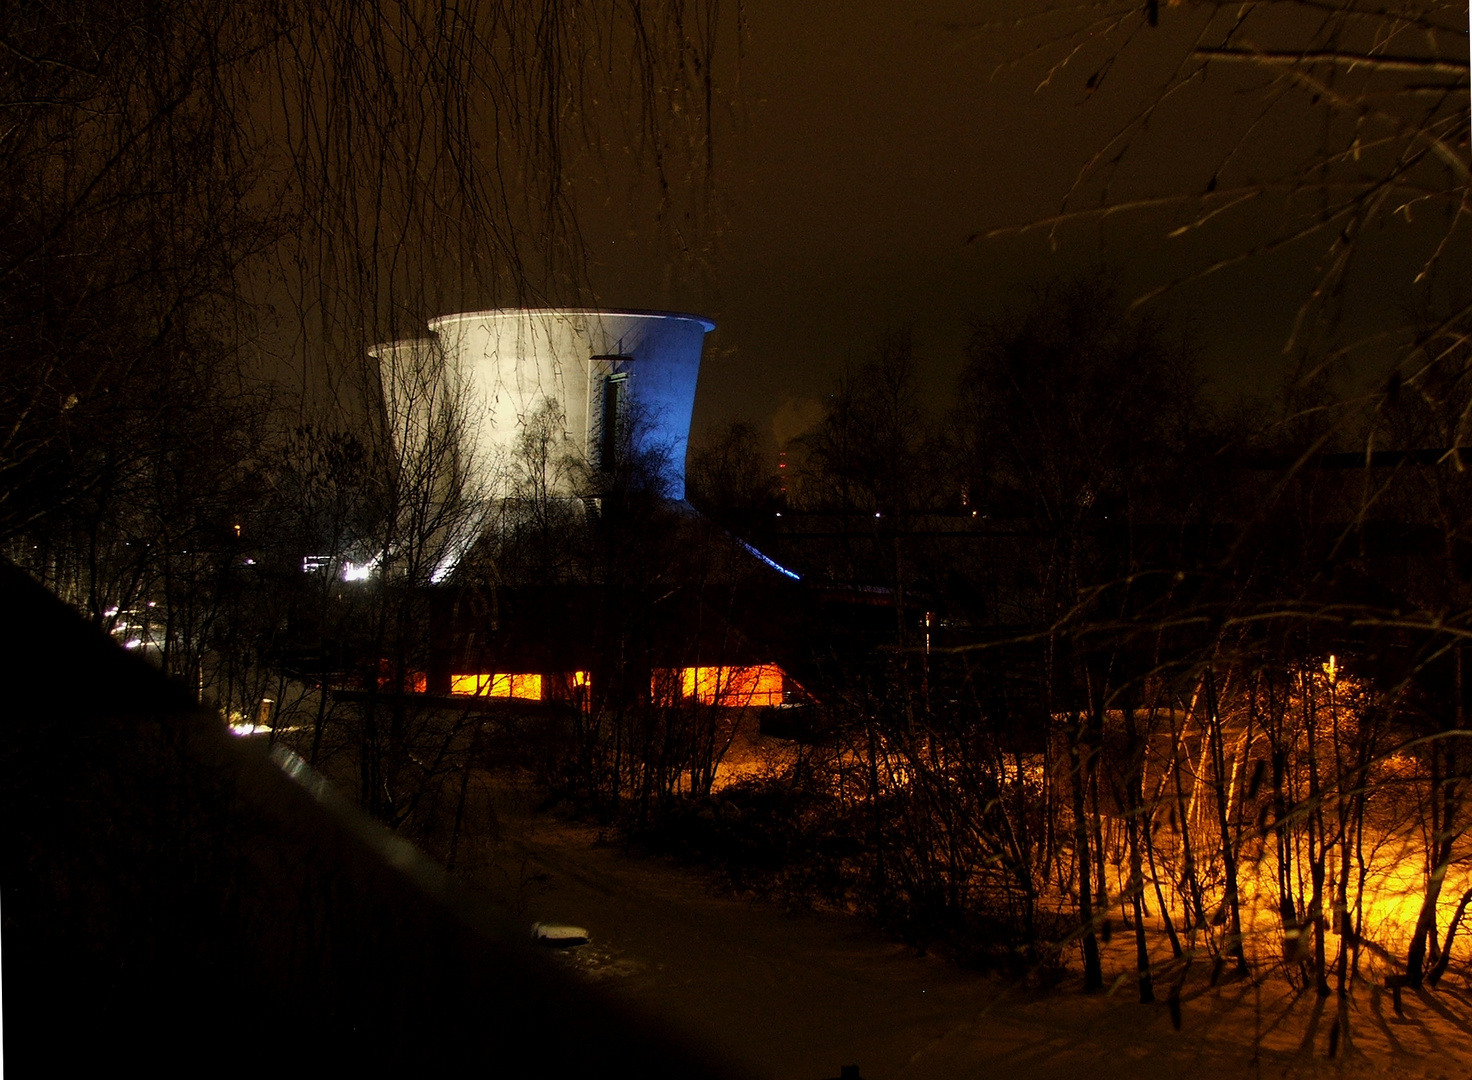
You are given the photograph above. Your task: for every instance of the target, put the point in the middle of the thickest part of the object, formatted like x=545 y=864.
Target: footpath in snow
x=797 y=996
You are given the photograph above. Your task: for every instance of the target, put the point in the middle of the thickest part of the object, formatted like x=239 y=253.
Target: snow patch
x=558 y=935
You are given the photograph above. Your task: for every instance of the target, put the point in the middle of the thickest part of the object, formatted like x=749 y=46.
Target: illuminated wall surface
x=736 y=687
x=415 y=682
x=419 y=400
x=423 y=409
x=457 y=402
x=480 y=684
x=512 y=362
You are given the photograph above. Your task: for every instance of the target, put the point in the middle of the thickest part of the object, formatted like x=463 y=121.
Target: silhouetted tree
x=730 y=479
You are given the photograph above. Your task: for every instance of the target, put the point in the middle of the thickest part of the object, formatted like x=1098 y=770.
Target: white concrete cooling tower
x=466 y=395
x=441 y=509
x=597 y=368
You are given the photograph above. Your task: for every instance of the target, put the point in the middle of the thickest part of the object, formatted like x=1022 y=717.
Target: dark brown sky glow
x=869 y=141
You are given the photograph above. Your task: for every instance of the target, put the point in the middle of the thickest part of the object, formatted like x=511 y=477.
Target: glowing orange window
x=524 y=687
x=760 y=684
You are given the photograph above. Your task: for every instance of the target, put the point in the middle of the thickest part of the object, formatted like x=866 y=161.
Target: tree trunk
x=1443 y=816
x=1133 y=810
x=1228 y=847
x=1438 y=969
x=1079 y=754
x=1191 y=902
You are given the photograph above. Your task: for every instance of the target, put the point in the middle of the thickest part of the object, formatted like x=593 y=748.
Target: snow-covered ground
x=797 y=996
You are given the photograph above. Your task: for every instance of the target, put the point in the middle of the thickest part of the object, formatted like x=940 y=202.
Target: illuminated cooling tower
x=458 y=403
x=600 y=369
x=441 y=507
x=420 y=403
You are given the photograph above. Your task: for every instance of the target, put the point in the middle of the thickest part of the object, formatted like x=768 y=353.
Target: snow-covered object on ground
x=558 y=935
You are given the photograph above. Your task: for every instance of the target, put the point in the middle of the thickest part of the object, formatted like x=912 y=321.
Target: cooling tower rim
x=378 y=348
x=520 y=313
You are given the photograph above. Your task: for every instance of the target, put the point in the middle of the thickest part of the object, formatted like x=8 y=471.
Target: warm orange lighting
x=497 y=685
x=415 y=682
x=1331 y=669
x=664 y=686
x=570 y=686
x=469 y=685
x=526 y=687
x=733 y=686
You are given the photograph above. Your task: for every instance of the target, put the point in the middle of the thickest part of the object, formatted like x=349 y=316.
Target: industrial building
x=460 y=405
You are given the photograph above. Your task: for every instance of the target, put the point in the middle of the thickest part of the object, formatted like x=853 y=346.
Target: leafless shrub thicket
x=1199 y=672
x=1149 y=663
x=209 y=215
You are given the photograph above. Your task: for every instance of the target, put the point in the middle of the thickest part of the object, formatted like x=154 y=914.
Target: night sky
x=867 y=142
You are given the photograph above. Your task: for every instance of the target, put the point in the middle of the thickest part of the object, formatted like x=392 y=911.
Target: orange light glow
x=733 y=686
x=497 y=685
x=415 y=682
x=664 y=686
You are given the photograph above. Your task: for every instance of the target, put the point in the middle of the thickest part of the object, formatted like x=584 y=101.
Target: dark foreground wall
x=172 y=901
